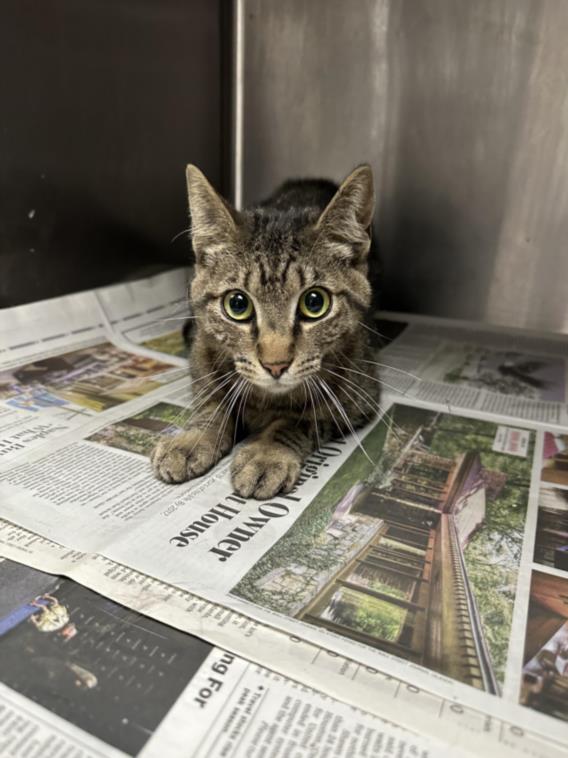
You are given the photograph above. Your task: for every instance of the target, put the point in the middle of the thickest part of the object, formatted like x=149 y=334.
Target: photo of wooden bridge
x=419 y=557
x=427 y=513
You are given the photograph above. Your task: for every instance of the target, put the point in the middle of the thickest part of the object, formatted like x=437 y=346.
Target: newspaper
x=511 y=373
x=83 y=676
x=62 y=365
x=419 y=566
x=401 y=702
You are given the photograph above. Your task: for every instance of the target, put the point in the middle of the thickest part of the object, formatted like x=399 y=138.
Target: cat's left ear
x=344 y=228
x=214 y=223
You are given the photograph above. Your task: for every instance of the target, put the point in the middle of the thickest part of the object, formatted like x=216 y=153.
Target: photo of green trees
x=424 y=529
x=140 y=433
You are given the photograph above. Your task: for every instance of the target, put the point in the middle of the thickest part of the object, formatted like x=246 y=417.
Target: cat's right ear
x=213 y=221
x=345 y=225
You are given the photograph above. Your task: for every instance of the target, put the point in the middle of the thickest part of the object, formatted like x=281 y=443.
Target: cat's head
x=279 y=290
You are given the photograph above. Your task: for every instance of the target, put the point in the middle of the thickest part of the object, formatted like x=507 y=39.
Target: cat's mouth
x=272 y=385
x=277 y=385
x=278 y=379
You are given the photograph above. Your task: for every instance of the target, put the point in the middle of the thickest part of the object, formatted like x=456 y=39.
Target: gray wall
x=461 y=107
x=102 y=104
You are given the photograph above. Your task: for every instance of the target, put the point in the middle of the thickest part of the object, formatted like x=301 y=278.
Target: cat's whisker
x=364 y=414
x=181 y=418
x=204 y=376
x=242 y=408
x=335 y=400
x=314 y=413
x=235 y=391
x=207 y=393
x=373 y=331
x=226 y=397
x=208 y=423
x=185 y=309
x=372 y=378
x=219 y=360
x=228 y=402
x=305 y=403
x=380 y=365
x=179 y=234
x=370 y=397
x=320 y=394
x=391 y=368
x=176 y=318
x=365 y=396
x=218 y=378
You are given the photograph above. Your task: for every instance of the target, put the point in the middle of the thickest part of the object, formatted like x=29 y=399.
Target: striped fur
x=309 y=233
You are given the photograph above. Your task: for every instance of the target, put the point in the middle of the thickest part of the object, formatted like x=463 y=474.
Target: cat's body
x=279 y=351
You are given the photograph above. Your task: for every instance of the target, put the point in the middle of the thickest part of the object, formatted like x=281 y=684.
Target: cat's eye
x=238 y=306
x=314 y=303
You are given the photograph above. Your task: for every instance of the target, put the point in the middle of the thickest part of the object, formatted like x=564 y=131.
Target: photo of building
x=545 y=662
x=419 y=558
x=555 y=459
x=551 y=540
x=97 y=377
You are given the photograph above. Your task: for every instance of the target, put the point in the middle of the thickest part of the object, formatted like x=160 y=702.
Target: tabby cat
x=280 y=353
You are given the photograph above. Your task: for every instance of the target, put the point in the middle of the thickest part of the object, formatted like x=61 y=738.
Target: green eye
x=314 y=303
x=238 y=306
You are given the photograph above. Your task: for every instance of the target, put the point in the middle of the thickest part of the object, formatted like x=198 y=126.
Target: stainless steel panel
x=462 y=109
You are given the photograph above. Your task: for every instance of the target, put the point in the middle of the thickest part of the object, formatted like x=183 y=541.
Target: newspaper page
x=506 y=372
x=61 y=366
x=83 y=676
x=149 y=313
x=401 y=702
x=419 y=564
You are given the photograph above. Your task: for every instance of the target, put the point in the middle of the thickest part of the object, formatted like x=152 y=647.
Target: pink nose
x=276 y=369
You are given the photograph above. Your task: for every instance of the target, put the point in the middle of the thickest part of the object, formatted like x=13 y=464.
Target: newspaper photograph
x=545 y=669
x=74 y=369
x=140 y=433
x=418 y=557
x=412 y=562
x=508 y=372
x=97 y=377
x=551 y=540
x=414 y=558
x=83 y=676
x=555 y=459
x=459 y=726
x=107 y=670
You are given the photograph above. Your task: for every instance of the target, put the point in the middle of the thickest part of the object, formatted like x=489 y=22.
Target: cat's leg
x=271 y=461
x=191 y=453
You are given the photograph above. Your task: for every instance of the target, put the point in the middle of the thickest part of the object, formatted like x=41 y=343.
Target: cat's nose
x=276 y=369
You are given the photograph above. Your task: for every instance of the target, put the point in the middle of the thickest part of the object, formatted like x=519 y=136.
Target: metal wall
x=462 y=109
x=102 y=104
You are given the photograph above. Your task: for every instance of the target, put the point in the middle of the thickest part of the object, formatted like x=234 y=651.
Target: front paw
x=261 y=470
x=183 y=457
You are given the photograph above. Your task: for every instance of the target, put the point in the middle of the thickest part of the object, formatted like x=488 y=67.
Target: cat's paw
x=183 y=457
x=261 y=469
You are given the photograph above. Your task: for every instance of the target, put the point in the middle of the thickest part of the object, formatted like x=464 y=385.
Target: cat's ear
x=344 y=228
x=213 y=221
